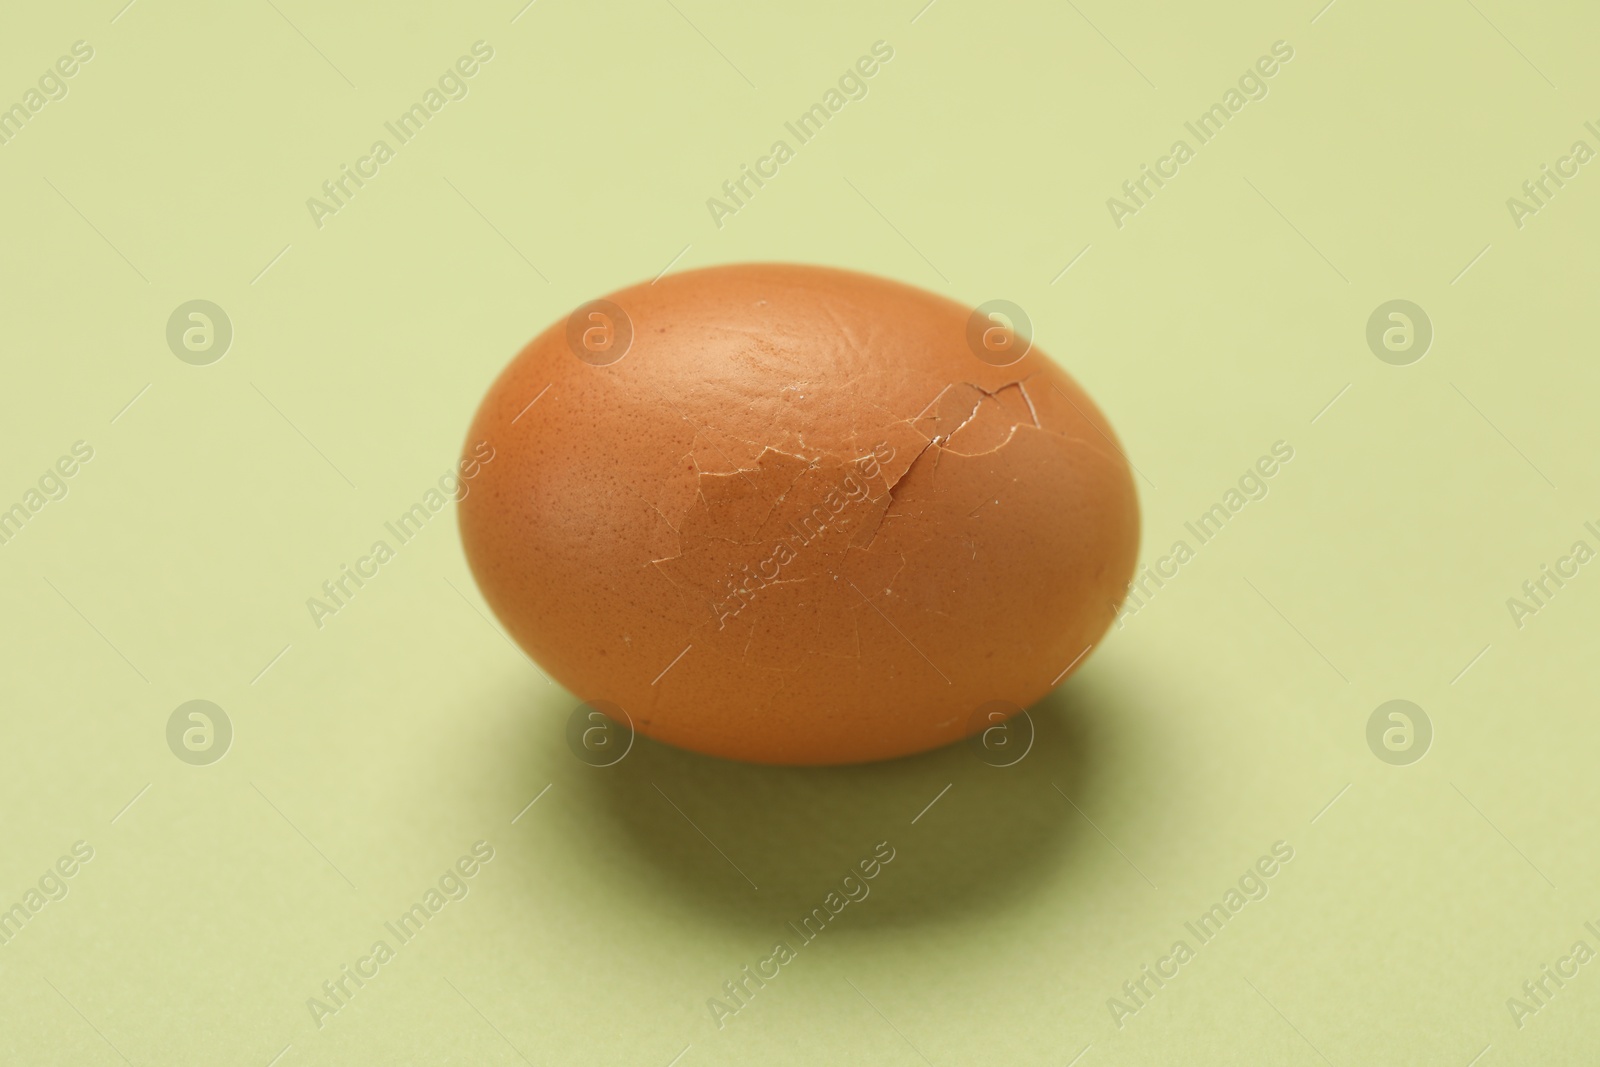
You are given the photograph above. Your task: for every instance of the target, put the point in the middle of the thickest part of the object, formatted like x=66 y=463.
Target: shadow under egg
x=746 y=844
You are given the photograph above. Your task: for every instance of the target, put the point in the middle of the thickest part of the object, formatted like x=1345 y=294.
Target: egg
x=797 y=515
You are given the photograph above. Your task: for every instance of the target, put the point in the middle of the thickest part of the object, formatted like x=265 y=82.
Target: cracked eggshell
x=799 y=521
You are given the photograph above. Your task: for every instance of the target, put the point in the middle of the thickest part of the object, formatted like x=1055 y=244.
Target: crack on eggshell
x=1022 y=387
x=772 y=528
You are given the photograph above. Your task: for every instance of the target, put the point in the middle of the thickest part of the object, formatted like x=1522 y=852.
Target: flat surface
x=1228 y=311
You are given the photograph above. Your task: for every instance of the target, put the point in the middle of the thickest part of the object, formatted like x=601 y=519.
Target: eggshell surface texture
x=787 y=514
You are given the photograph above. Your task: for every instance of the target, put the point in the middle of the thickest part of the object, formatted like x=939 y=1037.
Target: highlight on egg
x=798 y=515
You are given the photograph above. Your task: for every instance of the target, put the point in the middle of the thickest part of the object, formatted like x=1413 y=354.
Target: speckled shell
x=799 y=521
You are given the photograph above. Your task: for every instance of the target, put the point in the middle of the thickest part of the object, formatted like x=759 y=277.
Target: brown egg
x=787 y=514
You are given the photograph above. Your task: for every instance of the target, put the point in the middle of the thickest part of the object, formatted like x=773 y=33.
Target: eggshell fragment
x=797 y=520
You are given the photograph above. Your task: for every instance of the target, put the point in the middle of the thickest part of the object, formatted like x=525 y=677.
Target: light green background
x=1222 y=718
